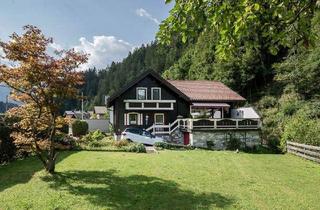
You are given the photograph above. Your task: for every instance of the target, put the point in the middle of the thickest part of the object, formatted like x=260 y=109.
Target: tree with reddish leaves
x=41 y=82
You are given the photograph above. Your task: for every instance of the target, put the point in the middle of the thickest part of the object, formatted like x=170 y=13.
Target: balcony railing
x=226 y=123
x=206 y=124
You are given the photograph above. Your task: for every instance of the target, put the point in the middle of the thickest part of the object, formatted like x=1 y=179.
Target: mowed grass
x=168 y=180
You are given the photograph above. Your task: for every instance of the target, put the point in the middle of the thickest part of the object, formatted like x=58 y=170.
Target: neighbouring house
x=100 y=111
x=184 y=111
x=76 y=115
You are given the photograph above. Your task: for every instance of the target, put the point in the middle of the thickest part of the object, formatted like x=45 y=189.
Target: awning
x=209 y=105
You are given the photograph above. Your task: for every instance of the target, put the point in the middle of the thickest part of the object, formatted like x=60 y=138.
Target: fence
x=306 y=151
x=102 y=125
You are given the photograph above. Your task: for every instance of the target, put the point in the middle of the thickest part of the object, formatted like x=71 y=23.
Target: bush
x=65 y=129
x=165 y=145
x=138 y=148
x=7 y=147
x=121 y=143
x=100 y=143
x=267 y=102
x=301 y=129
x=79 y=128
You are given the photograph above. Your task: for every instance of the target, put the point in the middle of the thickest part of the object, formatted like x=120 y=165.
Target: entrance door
x=186 y=138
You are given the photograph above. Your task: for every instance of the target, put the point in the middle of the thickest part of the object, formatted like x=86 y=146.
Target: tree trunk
x=51 y=161
x=51 y=164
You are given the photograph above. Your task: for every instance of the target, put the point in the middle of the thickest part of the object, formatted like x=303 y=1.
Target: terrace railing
x=206 y=124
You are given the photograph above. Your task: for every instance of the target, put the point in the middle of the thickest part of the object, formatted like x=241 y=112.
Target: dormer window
x=156 y=93
x=141 y=93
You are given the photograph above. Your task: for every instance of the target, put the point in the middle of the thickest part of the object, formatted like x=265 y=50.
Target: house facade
x=165 y=106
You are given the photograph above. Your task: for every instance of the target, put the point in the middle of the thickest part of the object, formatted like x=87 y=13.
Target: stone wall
x=220 y=138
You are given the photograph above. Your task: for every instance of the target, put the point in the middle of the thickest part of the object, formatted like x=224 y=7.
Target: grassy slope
x=169 y=180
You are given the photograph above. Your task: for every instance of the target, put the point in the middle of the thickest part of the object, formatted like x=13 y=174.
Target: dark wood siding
x=181 y=107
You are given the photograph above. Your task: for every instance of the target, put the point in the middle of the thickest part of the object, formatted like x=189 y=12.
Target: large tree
x=262 y=25
x=41 y=82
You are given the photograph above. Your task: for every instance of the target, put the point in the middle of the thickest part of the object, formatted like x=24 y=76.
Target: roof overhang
x=209 y=105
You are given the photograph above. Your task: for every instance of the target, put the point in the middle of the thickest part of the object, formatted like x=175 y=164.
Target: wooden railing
x=306 y=151
x=205 y=124
x=221 y=123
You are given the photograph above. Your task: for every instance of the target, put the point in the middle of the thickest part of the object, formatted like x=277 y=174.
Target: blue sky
x=106 y=29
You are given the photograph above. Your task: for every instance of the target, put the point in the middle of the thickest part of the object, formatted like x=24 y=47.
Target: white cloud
x=55 y=46
x=103 y=50
x=143 y=13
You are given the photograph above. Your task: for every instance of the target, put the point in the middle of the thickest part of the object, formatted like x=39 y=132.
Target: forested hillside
x=267 y=51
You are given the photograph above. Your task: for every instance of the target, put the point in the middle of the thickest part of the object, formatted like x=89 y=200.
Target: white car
x=140 y=136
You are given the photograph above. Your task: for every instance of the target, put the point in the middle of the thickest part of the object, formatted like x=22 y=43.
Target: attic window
x=156 y=93
x=141 y=93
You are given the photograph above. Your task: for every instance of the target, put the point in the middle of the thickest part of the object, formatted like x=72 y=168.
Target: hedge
x=79 y=128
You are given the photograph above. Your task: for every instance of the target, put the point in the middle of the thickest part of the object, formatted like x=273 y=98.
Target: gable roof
x=204 y=90
x=142 y=76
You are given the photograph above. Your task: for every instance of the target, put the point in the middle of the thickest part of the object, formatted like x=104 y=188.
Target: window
x=142 y=93
x=159 y=119
x=156 y=93
x=133 y=119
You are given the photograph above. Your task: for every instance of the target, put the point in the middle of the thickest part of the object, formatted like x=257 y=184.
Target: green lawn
x=169 y=180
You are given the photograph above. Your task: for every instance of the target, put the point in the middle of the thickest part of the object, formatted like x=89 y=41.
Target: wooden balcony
x=207 y=124
x=220 y=124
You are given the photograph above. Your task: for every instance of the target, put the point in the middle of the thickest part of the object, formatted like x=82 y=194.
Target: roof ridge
x=190 y=80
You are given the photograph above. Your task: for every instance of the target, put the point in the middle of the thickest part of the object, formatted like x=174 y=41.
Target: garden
x=170 y=179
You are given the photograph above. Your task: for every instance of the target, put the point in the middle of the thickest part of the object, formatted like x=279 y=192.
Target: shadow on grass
x=260 y=150
x=21 y=171
x=108 y=190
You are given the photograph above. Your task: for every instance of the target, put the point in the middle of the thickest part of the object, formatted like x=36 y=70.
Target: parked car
x=140 y=135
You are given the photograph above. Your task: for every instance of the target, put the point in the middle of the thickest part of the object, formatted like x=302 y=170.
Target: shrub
x=121 y=143
x=79 y=128
x=267 y=102
x=165 y=145
x=97 y=135
x=161 y=145
x=139 y=148
x=65 y=128
x=96 y=144
x=303 y=130
x=7 y=147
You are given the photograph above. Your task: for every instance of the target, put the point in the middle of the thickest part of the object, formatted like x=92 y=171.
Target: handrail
x=188 y=123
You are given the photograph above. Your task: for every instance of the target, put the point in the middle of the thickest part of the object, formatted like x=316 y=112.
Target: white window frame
x=157 y=114
x=137 y=120
x=137 y=91
x=156 y=88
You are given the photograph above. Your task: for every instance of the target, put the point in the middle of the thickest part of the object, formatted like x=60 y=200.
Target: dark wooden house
x=150 y=101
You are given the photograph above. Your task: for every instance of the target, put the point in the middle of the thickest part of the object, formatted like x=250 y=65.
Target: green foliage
x=301 y=129
x=248 y=24
x=138 y=148
x=121 y=143
x=79 y=128
x=165 y=145
x=93 y=136
x=302 y=71
x=98 y=141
